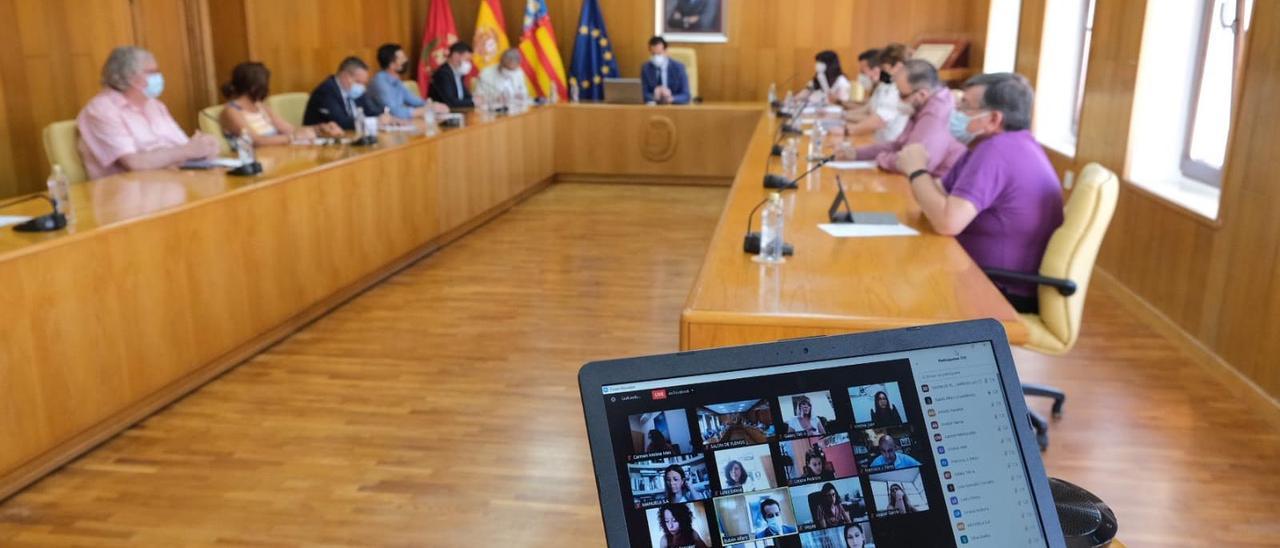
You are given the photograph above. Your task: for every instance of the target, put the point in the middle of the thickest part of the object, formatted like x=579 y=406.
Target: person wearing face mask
x=829 y=81
x=447 y=84
x=338 y=98
x=126 y=128
x=387 y=89
x=771 y=514
x=1002 y=200
x=663 y=79
x=882 y=114
x=930 y=104
x=505 y=78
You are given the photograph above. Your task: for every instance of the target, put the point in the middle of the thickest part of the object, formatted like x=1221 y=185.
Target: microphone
x=778 y=104
x=245 y=170
x=44 y=223
x=788 y=129
x=751 y=241
x=780 y=182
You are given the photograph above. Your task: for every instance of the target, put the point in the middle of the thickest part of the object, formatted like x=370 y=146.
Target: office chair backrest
x=412 y=86
x=61 y=147
x=1072 y=250
x=209 y=124
x=290 y=106
x=689 y=58
x=815 y=505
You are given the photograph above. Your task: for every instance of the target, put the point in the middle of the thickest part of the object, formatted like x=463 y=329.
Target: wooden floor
x=441 y=408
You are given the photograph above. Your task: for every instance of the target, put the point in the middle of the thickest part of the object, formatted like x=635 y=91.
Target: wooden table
x=831 y=285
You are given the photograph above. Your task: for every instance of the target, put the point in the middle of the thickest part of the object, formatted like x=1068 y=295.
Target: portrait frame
x=713 y=33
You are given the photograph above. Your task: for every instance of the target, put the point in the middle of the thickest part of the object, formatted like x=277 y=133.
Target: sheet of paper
x=851 y=165
x=400 y=129
x=6 y=220
x=854 y=230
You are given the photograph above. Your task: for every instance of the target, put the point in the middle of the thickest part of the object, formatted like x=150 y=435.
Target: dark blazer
x=677 y=80
x=326 y=105
x=445 y=90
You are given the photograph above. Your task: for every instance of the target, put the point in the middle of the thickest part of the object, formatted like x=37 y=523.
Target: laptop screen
x=906 y=449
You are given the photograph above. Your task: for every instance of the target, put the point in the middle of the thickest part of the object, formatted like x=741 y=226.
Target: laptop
x=909 y=437
x=623 y=91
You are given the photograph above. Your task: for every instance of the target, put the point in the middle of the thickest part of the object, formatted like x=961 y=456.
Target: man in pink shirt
x=125 y=128
x=930 y=104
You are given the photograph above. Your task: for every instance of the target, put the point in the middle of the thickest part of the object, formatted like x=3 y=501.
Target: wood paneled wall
x=1218 y=281
x=51 y=59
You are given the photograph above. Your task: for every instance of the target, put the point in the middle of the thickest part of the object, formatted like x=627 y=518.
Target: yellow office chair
x=290 y=106
x=1064 y=277
x=61 y=141
x=209 y=124
x=689 y=58
x=412 y=86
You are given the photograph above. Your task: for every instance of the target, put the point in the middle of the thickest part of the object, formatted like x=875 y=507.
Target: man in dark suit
x=447 y=86
x=338 y=97
x=664 y=79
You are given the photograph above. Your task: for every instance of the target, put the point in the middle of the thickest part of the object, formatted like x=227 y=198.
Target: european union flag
x=593 y=59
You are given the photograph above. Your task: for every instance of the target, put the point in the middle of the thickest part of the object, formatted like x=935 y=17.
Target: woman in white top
x=804 y=422
x=505 y=77
x=883 y=113
x=829 y=81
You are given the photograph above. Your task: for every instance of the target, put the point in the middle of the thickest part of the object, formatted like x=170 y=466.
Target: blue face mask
x=959 y=126
x=155 y=85
x=356 y=91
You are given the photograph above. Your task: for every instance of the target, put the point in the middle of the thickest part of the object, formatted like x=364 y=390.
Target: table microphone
x=245 y=170
x=788 y=129
x=776 y=104
x=44 y=223
x=751 y=242
x=780 y=182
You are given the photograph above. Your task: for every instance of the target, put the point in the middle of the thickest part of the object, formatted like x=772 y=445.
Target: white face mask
x=658 y=60
x=820 y=67
x=464 y=68
x=865 y=82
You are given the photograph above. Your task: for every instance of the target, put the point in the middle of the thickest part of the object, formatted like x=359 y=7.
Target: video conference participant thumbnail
x=760 y=515
x=807 y=415
x=893 y=448
x=877 y=405
x=856 y=535
x=898 y=492
x=672 y=479
x=828 y=504
x=736 y=423
x=660 y=433
x=745 y=469
x=678 y=525
x=820 y=458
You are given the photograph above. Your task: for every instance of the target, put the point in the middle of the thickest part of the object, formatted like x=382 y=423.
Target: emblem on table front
x=658 y=144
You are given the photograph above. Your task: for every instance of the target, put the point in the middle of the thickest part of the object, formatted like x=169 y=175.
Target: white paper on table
x=409 y=128
x=855 y=230
x=6 y=220
x=226 y=162
x=851 y=165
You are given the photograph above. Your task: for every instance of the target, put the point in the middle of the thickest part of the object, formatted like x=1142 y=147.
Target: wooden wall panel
x=1218 y=281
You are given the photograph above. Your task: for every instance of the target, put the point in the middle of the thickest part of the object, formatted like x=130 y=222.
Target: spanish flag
x=491 y=38
x=542 y=64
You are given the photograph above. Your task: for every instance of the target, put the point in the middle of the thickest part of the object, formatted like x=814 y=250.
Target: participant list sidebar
x=984 y=482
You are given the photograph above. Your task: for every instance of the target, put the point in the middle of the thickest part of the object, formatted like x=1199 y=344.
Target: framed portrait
x=690 y=20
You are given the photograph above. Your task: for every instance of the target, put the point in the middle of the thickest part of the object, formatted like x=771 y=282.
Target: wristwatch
x=912 y=177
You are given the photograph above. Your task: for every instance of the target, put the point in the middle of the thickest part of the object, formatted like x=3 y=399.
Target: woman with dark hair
x=854 y=536
x=804 y=422
x=884 y=413
x=246 y=110
x=678 y=488
x=735 y=475
x=830 y=511
x=658 y=442
x=898 y=502
x=815 y=466
x=828 y=80
x=676 y=523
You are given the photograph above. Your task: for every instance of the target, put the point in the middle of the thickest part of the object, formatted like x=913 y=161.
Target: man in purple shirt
x=1002 y=200
x=931 y=104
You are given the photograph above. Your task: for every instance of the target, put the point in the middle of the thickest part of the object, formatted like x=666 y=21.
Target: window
x=1064 y=61
x=1182 y=99
x=1225 y=23
x=1002 y=36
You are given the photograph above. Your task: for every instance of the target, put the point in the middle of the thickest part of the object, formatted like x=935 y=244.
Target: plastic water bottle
x=60 y=192
x=773 y=93
x=790 y=156
x=816 y=136
x=789 y=103
x=554 y=96
x=771 y=228
x=359 y=122
x=244 y=148
x=429 y=116
x=574 y=94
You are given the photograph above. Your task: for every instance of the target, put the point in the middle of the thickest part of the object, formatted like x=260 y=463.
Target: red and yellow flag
x=491 y=38
x=542 y=64
x=438 y=34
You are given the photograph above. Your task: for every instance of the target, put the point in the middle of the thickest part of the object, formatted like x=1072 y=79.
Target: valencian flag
x=542 y=64
x=491 y=38
x=592 y=54
x=438 y=34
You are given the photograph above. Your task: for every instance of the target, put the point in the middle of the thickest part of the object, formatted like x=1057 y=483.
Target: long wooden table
x=169 y=278
x=831 y=285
